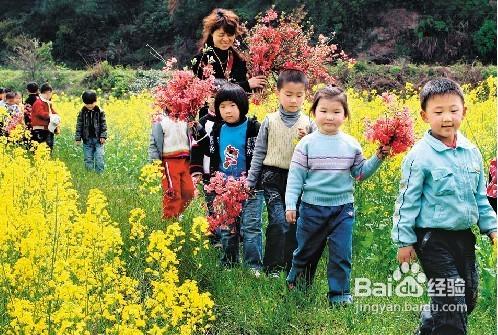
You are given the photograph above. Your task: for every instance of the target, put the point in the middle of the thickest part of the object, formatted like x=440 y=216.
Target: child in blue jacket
x=442 y=194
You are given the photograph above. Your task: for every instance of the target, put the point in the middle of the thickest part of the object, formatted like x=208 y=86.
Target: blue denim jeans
x=317 y=226
x=215 y=236
x=280 y=235
x=93 y=153
x=251 y=233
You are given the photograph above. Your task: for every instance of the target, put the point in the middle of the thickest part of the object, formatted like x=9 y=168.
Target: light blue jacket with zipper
x=441 y=187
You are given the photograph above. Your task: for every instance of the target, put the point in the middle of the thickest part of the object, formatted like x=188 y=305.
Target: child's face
x=17 y=99
x=291 y=96
x=47 y=95
x=222 y=40
x=91 y=106
x=211 y=104
x=329 y=116
x=2 y=96
x=11 y=101
x=445 y=114
x=229 y=112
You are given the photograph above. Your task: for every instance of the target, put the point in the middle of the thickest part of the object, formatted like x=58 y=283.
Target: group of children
x=305 y=169
x=38 y=114
x=43 y=122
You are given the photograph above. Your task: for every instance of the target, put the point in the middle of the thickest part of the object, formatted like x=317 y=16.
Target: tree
x=31 y=56
x=485 y=40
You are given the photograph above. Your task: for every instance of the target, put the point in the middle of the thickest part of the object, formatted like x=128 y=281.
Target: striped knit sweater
x=323 y=168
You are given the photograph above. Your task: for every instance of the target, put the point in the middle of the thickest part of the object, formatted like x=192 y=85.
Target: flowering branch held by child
x=184 y=94
x=394 y=130
x=230 y=194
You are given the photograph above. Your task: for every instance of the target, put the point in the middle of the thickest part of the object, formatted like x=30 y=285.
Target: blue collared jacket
x=441 y=187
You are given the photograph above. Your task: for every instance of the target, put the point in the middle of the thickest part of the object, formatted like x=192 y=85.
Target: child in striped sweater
x=323 y=167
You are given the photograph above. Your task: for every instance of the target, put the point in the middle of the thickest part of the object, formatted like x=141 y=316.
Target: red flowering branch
x=280 y=42
x=230 y=194
x=395 y=129
x=14 y=120
x=491 y=188
x=184 y=94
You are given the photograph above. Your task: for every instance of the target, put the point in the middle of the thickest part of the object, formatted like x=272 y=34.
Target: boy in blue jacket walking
x=442 y=194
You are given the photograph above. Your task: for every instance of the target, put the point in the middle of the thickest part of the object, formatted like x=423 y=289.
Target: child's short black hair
x=10 y=95
x=32 y=87
x=7 y=90
x=46 y=88
x=2 y=90
x=235 y=93
x=219 y=83
x=89 y=97
x=439 y=86
x=291 y=76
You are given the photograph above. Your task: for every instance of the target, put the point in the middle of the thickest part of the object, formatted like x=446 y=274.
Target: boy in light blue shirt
x=442 y=194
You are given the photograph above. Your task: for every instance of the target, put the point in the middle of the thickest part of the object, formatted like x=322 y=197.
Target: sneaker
x=340 y=301
x=342 y=304
x=274 y=275
x=255 y=272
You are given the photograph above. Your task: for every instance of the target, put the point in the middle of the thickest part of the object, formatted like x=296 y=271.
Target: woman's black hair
x=235 y=93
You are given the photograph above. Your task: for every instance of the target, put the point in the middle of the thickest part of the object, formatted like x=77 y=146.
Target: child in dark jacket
x=230 y=151
x=91 y=127
x=33 y=92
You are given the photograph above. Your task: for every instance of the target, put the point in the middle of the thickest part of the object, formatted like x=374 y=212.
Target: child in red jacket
x=44 y=119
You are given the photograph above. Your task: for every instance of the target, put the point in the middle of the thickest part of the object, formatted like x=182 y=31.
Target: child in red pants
x=172 y=142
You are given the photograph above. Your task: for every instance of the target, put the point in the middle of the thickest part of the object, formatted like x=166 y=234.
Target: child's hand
x=406 y=254
x=492 y=236
x=78 y=142
x=383 y=151
x=290 y=216
x=301 y=132
x=196 y=178
x=102 y=140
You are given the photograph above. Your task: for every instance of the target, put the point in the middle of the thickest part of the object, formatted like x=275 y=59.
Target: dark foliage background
x=381 y=31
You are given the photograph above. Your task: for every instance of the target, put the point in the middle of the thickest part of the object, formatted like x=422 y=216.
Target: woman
x=220 y=29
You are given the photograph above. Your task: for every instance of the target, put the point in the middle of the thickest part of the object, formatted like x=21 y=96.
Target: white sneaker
x=255 y=272
x=274 y=275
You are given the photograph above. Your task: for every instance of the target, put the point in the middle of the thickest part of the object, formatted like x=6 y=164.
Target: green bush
x=12 y=79
x=109 y=79
x=61 y=79
x=146 y=80
x=394 y=77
